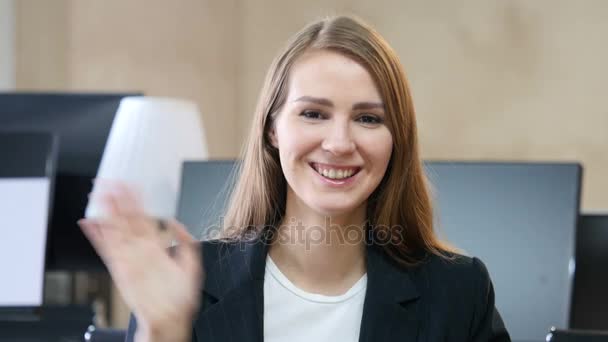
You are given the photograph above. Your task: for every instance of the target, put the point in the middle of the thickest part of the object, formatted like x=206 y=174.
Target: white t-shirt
x=294 y=315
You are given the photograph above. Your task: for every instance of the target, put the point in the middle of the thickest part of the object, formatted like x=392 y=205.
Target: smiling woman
x=329 y=232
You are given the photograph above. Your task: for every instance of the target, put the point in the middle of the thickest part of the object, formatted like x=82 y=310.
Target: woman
x=329 y=233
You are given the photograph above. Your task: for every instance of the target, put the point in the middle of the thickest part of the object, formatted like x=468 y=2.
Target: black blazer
x=439 y=300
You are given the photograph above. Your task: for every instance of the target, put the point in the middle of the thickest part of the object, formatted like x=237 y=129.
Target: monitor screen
x=204 y=192
x=24 y=206
x=520 y=220
x=82 y=123
x=27 y=162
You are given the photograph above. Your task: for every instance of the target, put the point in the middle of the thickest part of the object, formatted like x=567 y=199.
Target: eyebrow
x=325 y=102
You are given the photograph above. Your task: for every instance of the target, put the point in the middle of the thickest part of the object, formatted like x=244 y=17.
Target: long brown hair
x=400 y=206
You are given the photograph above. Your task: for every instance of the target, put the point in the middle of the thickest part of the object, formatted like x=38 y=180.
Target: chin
x=335 y=208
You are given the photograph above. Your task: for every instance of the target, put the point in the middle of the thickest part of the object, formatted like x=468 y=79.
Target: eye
x=370 y=119
x=311 y=114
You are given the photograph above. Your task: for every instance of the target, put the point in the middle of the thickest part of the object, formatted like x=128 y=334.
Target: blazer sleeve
x=133 y=328
x=487 y=323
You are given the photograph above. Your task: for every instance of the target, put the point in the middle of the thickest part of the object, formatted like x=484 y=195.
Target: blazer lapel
x=235 y=285
x=234 y=291
x=391 y=301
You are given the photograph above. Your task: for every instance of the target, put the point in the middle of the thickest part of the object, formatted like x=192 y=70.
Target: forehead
x=329 y=74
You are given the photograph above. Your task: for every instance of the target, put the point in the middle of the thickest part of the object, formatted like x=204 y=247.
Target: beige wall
x=513 y=80
x=516 y=80
x=167 y=48
x=41 y=28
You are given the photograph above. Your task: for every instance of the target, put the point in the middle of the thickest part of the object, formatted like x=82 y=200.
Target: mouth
x=335 y=172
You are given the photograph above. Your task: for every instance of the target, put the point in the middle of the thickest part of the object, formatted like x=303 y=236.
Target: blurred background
x=492 y=80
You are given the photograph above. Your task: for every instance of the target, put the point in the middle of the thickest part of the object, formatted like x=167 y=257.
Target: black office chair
x=556 y=335
x=94 y=334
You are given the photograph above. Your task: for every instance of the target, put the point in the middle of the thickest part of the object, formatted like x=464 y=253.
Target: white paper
x=24 y=206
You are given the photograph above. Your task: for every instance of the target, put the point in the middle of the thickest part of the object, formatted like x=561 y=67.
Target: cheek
x=378 y=147
x=295 y=141
x=294 y=144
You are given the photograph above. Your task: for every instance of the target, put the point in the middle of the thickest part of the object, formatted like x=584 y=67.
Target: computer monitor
x=27 y=171
x=520 y=220
x=590 y=296
x=204 y=193
x=82 y=122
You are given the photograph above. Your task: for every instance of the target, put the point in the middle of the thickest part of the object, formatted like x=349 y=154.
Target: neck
x=321 y=253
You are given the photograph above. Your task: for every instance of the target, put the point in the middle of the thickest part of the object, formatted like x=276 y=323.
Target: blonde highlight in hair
x=402 y=198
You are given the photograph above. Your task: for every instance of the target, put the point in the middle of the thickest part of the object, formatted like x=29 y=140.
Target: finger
x=107 y=236
x=130 y=202
x=127 y=204
x=93 y=233
x=108 y=201
x=117 y=231
x=123 y=214
x=181 y=233
x=145 y=227
x=188 y=254
x=117 y=197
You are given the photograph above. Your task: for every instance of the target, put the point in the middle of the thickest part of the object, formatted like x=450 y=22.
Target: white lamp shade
x=149 y=140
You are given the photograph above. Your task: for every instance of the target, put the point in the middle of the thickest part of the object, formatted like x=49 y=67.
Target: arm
x=133 y=335
x=487 y=323
x=128 y=242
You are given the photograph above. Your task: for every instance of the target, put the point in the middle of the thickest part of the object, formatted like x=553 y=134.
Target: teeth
x=336 y=174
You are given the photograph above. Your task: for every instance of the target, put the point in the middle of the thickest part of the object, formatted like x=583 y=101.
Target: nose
x=339 y=139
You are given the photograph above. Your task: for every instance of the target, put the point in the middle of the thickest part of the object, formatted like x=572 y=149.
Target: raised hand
x=162 y=290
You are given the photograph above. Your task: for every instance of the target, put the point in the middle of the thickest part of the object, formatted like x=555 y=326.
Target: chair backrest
x=556 y=335
x=94 y=334
x=589 y=300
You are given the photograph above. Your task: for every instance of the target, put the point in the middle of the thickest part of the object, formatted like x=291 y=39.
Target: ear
x=272 y=137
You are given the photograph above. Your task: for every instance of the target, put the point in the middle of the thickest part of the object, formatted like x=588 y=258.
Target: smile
x=335 y=172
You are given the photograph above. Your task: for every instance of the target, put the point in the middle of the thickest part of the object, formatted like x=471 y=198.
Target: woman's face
x=332 y=136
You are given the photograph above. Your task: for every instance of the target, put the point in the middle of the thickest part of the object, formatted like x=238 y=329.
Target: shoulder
x=454 y=279
x=222 y=253
x=459 y=287
x=453 y=266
